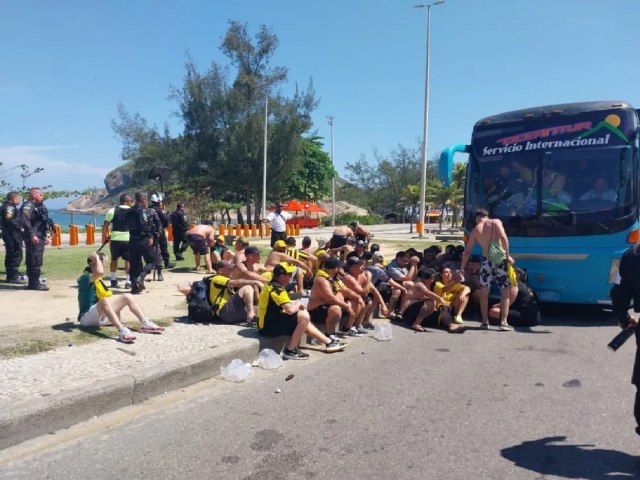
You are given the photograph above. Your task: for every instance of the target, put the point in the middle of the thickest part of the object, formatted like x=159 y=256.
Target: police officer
x=180 y=227
x=12 y=236
x=36 y=225
x=157 y=206
x=118 y=238
x=627 y=287
x=142 y=230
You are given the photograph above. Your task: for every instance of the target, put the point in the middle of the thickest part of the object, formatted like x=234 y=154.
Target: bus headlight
x=613 y=270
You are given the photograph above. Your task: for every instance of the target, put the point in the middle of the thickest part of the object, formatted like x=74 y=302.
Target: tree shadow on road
x=547 y=457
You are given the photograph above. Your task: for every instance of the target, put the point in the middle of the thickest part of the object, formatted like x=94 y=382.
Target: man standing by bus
x=486 y=231
x=626 y=288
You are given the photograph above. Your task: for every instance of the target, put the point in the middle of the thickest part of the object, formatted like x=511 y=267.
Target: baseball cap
x=220 y=237
x=251 y=249
x=243 y=240
x=377 y=257
x=361 y=242
x=333 y=262
x=280 y=244
x=283 y=269
x=353 y=261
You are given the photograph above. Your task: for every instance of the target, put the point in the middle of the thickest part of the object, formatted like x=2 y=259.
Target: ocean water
x=64 y=219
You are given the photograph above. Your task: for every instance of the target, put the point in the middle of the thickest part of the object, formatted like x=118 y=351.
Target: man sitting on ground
x=419 y=305
x=454 y=292
x=278 y=255
x=219 y=251
x=383 y=282
x=399 y=272
x=200 y=238
x=231 y=305
x=326 y=303
x=358 y=280
x=279 y=315
x=240 y=244
x=99 y=308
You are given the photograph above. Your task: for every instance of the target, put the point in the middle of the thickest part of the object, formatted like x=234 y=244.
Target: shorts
x=198 y=244
x=281 y=324
x=385 y=292
x=91 y=318
x=494 y=274
x=338 y=241
x=319 y=314
x=233 y=311
x=119 y=250
x=411 y=313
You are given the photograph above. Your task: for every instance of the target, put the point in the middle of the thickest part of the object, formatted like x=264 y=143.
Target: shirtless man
x=420 y=304
x=340 y=236
x=200 y=238
x=251 y=269
x=326 y=303
x=485 y=231
x=240 y=245
x=278 y=255
x=358 y=280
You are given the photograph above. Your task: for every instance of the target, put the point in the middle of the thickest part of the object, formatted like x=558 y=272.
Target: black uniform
x=621 y=295
x=12 y=237
x=180 y=227
x=142 y=245
x=35 y=223
x=162 y=236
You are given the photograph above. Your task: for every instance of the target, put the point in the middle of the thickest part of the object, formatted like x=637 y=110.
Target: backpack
x=198 y=306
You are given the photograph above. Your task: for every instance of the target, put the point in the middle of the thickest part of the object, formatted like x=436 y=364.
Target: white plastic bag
x=236 y=371
x=382 y=332
x=269 y=360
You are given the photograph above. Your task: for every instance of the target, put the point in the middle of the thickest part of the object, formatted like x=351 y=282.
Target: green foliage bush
x=347 y=218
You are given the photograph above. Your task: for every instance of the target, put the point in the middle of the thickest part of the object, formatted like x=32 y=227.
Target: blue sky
x=65 y=65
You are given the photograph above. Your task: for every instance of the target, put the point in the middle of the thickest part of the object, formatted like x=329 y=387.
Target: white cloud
x=60 y=173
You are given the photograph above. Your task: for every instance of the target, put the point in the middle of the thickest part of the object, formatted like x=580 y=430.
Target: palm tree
x=445 y=196
x=410 y=197
x=459 y=178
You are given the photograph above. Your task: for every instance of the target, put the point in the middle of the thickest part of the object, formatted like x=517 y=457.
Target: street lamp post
x=333 y=180
x=423 y=170
x=264 y=159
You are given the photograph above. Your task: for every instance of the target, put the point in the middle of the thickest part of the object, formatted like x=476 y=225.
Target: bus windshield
x=555 y=192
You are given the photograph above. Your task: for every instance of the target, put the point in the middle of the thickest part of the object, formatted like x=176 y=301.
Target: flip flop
x=418 y=328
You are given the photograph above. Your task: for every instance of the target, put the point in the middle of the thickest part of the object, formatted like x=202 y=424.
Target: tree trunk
x=248 y=199
x=226 y=212
x=239 y=216
x=441 y=216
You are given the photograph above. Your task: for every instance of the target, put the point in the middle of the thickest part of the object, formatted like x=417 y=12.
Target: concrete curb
x=32 y=418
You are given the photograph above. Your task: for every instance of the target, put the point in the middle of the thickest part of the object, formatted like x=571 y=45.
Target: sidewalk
x=56 y=389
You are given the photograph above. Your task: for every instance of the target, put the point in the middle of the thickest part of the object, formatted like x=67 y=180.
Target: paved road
x=551 y=402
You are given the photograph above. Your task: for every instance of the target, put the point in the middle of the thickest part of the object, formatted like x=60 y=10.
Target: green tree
x=313 y=179
x=444 y=196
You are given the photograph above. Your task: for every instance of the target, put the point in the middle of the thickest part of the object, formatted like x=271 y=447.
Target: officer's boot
x=179 y=257
x=159 y=277
x=37 y=286
x=168 y=264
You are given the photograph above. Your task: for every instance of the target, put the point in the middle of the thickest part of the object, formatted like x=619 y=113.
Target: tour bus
x=564 y=181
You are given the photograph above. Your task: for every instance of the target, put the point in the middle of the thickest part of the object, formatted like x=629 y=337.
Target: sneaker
x=40 y=287
x=169 y=265
x=352 y=332
x=362 y=330
x=312 y=341
x=484 y=326
x=295 y=354
x=505 y=327
x=396 y=317
x=458 y=319
x=333 y=336
x=139 y=281
x=114 y=283
x=179 y=258
x=126 y=336
x=368 y=326
x=149 y=327
x=16 y=280
x=334 y=346
x=127 y=285
x=135 y=290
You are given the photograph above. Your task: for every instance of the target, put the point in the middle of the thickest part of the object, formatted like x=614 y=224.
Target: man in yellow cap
x=219 y=251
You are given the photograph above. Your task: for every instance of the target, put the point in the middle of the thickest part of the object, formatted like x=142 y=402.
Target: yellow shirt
x=451 y=295
x=219 y=292
x=272 y=297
